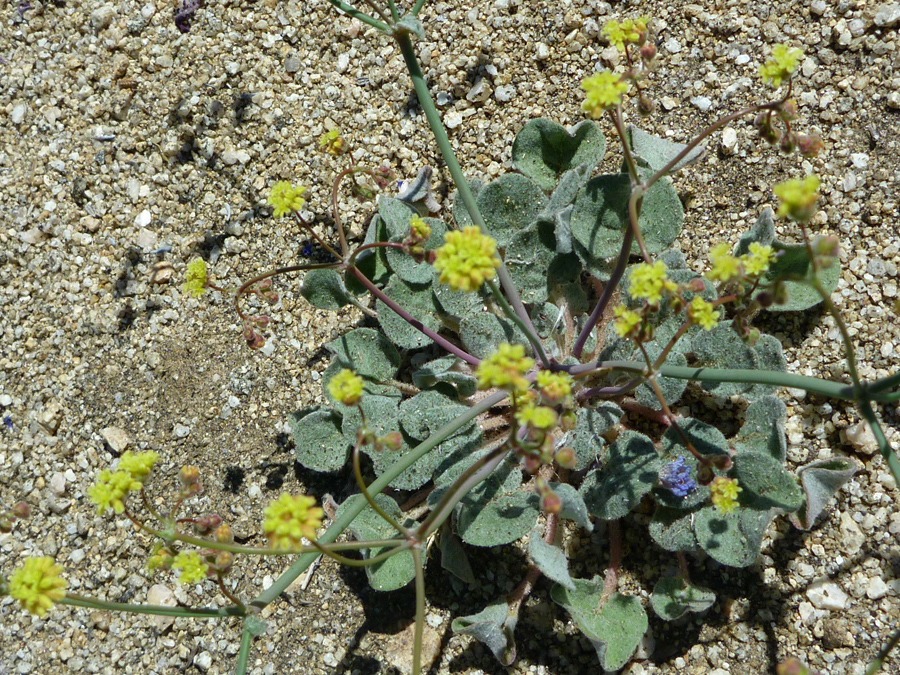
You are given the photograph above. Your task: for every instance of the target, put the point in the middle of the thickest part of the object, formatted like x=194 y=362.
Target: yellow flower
x=346 y=387
x=629 y=30
x=725 y=266
x=798 y=198
x=37 y=585
x=195 y=278
x=648 y=282
x=192 y=567
x=467 y=259
x=284 y=198
x=626 y=322
x=554 y=387
x=724 y=492
x=603 y=91
x=703 y=313
x=331 y=142
x=537 y=417
x=758 y=259
x=138 y=465
x=505 y=368
x=781 y=66
x=419 y=230
x=111 y=489
x=289 y=519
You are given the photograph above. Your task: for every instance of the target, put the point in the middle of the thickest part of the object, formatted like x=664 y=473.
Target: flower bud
x=705 y=474
x=809 y=146
x=787 y=144
x=788 y=110
x=224 y=560
x=189 y=475
x=566 y=458
x=765 y=299
x=721 y=462
x=21 y=510
x=6 y=524
x=550 y=502
x=392 y=441
x=207 y=524
x=223 y=534
x=648 y=52
x=568 y=420
x=646 y=106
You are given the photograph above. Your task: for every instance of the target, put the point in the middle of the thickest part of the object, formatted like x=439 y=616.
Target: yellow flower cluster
x=419 y=230
x=195 y=278
x=798 y=198
x=467 y=259
x=289 y=519
x=192 y=567
x=724 y=493
x=284 y=198
x=727 y=267
x=554 y=387
x=331 y=142
x=703 y=313
x=627 y=321
x=537 y=417
x=37 y=585
x=603 y=91
x=346 y=387
x=758 y=259
x=111 y=487
x=505 y=368
x=649 y=281
x=629 y=30
x=781 y=66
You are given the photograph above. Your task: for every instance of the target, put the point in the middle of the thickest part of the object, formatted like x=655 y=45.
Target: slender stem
x=510 y=312
x=357 y=473
x=420 y=610
x=315 y=235
x=417 y=7
x=272 y=273
x=243 y=658
x=415 y=323
x=615 y=560
x=353 y=510
x=398 y=545
x=228 y=594
x=395 y=15
x=471 y=477
x=609 y=290
x=356 y=14
x=443 y=141
x=380 y=12
x=76 y=600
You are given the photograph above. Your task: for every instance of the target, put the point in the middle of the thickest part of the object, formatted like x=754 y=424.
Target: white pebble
x=203 y=661
x=887 y=15
x=672 y=46
x=181 y=431
x=117 y=439
x=701 y=102
x=18 y=113
x=862 y=438
x=729 y=140
x=826 y=595
x=877 y=588
x=58 y=484
x=452 y=119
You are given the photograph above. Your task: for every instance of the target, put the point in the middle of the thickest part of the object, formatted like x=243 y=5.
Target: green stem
x=356 y=14
x=417 y=7
x=240 y=667
x=341 y=523
x=160 y=610
x=443 y=141
x=420 y=610
x=813 y=385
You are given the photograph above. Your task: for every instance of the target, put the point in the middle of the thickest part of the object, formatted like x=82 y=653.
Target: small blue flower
x=676 y=476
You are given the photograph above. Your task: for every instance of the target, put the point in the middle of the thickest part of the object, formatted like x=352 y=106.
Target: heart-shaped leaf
x=544 y=150
x=615 y=627
x=821 y=480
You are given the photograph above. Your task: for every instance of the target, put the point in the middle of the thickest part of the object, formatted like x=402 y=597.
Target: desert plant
x=521 y=362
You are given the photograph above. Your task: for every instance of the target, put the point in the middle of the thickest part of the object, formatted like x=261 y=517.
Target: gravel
x=128 y=148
